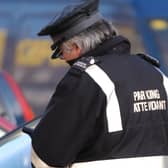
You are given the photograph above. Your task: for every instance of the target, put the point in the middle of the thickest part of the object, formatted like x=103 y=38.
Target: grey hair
x=93 y=36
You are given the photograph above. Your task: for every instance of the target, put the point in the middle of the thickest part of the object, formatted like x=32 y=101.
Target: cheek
x=66 y=56
x=70 y=56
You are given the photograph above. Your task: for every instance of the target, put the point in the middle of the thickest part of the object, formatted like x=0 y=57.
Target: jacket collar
x=115 y=45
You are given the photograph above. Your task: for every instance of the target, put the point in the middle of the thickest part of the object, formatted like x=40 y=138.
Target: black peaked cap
x=72 y=15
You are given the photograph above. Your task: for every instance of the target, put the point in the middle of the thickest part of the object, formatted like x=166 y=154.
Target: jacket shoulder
x=149 y=59
x=83 y=63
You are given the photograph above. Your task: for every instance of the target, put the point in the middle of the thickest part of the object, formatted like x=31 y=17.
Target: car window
x=11 y=105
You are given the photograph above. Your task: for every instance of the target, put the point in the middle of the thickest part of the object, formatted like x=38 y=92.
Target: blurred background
x=26 y=57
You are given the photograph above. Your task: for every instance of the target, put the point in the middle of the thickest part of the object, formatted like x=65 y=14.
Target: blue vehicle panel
x=19 y=155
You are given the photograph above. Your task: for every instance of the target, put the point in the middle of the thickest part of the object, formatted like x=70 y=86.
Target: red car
x=13 y=105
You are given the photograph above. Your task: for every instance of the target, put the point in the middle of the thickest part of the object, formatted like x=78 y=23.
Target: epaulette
x=84 y=63
x=149 y=59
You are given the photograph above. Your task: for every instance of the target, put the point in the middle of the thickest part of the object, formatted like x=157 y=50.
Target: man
x=110 y=105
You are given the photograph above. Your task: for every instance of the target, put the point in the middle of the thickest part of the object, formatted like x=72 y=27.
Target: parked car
x=15 y=147
x=13 y=105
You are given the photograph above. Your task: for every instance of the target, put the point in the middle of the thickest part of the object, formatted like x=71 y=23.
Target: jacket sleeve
x=69 y=120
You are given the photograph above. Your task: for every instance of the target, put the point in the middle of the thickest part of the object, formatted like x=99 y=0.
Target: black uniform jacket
x=75 y=127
